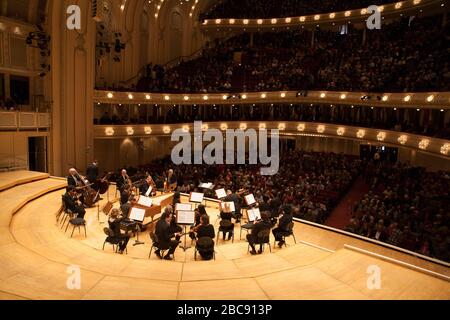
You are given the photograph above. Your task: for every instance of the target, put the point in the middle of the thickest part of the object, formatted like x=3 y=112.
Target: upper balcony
x=324 y=19
x=20 y=121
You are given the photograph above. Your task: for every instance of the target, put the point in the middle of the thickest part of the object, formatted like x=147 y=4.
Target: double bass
x=102 y=185
x=88 y=193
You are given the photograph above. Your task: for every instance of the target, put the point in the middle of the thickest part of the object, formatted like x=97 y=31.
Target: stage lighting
x=303 y=93
x=366 y=97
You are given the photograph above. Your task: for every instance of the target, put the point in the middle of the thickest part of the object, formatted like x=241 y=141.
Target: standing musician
x=92 y=172
x=233 y=197
x=147 y=184
x=72 y=203
x=123 y=181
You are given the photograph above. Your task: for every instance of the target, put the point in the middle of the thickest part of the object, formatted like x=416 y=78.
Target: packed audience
x=253 y=9
x=311 y=184
x=406 y=207
x=405 y=55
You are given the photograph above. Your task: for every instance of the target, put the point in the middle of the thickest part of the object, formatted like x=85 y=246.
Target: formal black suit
x=237 y=205
x=121 y=183
x=162 y=231
x=282 y=228
x=70 y=204
x=71 y=182
x=226 y=225
x=252 y=237
x=205 y=242
x=122 y=239
x=92 y=173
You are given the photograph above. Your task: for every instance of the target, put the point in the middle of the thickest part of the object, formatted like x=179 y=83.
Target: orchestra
x=167 y=230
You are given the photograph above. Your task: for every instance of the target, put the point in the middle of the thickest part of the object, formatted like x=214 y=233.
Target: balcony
x=16 y=120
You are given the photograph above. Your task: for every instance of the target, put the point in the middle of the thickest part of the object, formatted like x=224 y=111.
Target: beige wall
x=14 y=148
x=320 y=144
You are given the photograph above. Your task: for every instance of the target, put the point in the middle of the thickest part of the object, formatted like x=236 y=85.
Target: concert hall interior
x=224 y=150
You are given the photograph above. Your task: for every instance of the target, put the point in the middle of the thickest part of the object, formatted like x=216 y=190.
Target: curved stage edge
x=35 y=256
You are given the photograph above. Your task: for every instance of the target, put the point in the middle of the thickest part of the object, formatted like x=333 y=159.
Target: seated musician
x=225 y=224
x=205 y=234
x=260 y=225
x=197 y=223
x=72 y=203
x=123 y=181
x=172 y=180
x=283 y=224
x=146 y=185
x=233 y=197
x=174 y=227
x=162 y=231
x=114 y=225
x=74 y=179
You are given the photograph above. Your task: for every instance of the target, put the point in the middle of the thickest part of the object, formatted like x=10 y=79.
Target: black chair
x=263 y=238
x=247 y=227
x=77 y=223
x=156 y=245
x=111 y=239
x=66 y=215
x=224 y=225
x=204 y=243
x=288 y=233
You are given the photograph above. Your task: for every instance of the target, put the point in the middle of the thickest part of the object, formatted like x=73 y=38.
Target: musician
x=147 y=184
x=74 y=179
x=205 y=235
x=123 y=181
x=174 y=227
x=114 y=225
x=192 y=232
x=172 y=180
x=72 y=203
x=92 y=172
x=162 y=231
x=260 y=225
x=225 y=224
x=233 y=197
x=283 y=226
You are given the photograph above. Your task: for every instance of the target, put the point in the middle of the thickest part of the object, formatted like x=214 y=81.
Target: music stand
x=185 y=218
x=221 y=193
x=137 y=215
x=196 y=197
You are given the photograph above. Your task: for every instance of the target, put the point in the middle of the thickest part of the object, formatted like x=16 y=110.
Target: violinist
x=124 y=181
x=72 y=203
x=147 y=184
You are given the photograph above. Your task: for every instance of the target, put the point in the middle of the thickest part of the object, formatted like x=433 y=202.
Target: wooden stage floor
x=35 y=255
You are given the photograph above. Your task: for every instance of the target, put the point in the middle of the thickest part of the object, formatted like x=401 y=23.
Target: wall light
x=402 y=139
x=223 y=126
x=263 y=95
x=343 y=96
x=360 y=133
x=381 y=136
x=430 y=98
x=148 y=130
x=110 y=95
x=130 y=96
x=148 y=97
x=243 y=126
x=130 y=131
x=282 y=126
x=109 y=131
x=167 y=98
x=301 y=127
x=166 y=129
x=407 y=98
x=423 y=144
x=445 y=149
x=320 y=128
x=186 y=98
x=340 y=131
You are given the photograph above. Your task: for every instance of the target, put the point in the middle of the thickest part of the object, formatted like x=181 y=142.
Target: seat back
x=205 y=243
x=154 y=238
x=290 y=227
x=263 y=236
x=108 y=232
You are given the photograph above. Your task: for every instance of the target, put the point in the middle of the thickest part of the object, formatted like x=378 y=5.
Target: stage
x=35 y=254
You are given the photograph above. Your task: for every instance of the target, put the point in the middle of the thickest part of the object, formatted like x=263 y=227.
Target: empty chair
x=78 y=223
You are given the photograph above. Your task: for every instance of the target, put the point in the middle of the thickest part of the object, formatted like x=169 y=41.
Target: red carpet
x=342 y=214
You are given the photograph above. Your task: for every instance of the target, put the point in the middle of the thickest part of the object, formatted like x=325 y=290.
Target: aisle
x=342 y=214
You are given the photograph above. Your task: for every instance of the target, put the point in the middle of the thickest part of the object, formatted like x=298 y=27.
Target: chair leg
x=270 y=248
x=150 y=253
x=240 y=234
x=103 y=248
x=85 y=235
x=295 y=240
x=232 y=237
x=72 y=231
x=67 y=227
x=195 y=254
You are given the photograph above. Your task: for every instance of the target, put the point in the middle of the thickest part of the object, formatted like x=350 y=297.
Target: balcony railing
x=435 y=146
x=392 y=10
x=429 y=100
x=16 y=120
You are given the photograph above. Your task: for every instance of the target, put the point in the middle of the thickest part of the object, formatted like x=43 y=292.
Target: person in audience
x=114 y=225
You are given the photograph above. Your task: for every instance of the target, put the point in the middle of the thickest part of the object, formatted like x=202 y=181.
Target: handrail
x=380 y=243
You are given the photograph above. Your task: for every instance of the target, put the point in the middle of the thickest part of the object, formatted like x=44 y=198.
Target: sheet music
x=183 y=207
x=145 y=201
x=227 y=206
x=196 y=197
x=185 y=217
x=206 y=185
x=253 y=214
x=137 y=214
x=250 y=199
x=147 y=194
x=220 y=193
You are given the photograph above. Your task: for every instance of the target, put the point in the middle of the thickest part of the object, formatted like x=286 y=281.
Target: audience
x=405 y=207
